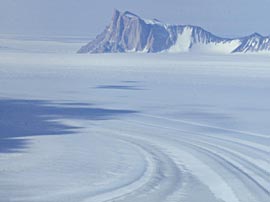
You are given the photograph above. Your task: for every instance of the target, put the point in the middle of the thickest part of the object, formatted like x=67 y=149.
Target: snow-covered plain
x=133 y=127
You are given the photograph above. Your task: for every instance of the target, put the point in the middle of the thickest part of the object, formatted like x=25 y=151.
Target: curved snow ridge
x=221 y=157
x=173 y=186
x=240 y=176
x=204 y=172
x=256 y=167
x=161 y=176
x=201 y=170
x=83 y=184
x=124 y=189
x=262 y=165
x=257 y=175
x=243 y=154
x=196 y=167
x=238 y=146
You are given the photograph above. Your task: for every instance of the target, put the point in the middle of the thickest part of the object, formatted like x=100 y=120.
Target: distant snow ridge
x=254 y=43
x=128 y=32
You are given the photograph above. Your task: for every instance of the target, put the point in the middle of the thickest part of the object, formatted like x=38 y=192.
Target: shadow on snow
x=22 y=118
x=119 y=87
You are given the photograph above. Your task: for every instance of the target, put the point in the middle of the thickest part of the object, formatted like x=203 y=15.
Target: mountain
x=254 y=43
x=127 y=32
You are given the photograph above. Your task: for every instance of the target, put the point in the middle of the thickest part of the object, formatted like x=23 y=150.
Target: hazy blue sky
x=89 y=17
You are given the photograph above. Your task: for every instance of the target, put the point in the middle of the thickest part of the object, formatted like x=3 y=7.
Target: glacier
x=132 y=127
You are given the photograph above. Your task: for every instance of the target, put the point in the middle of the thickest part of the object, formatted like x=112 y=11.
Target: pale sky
x=89 y=17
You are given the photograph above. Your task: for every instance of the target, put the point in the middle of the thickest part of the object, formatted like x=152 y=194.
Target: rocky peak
x=127 y=32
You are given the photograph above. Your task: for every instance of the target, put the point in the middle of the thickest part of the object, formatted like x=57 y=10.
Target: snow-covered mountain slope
x=128 y=32
x=254 y=43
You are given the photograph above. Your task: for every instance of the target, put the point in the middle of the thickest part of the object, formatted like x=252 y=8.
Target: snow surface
x=13 y=43
x=225 y=47
x=153 y=22
x=133 y=127
x=183 y=41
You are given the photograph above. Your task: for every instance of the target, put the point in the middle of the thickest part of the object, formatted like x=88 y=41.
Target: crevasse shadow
x=22 y=118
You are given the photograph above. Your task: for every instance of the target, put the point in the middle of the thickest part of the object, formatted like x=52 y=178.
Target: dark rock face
x=128 y=32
